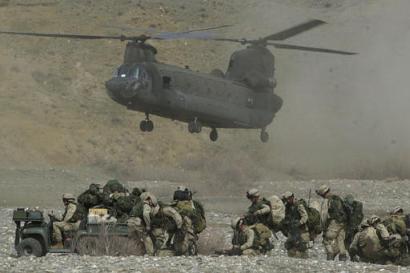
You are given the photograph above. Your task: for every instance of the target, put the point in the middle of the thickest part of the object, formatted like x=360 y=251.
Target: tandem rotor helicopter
x=242 y=97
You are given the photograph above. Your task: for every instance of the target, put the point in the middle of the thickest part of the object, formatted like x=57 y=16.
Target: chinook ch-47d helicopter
x=242 y=97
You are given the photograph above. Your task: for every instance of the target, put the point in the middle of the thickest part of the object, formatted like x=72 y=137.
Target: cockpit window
x=126 y=71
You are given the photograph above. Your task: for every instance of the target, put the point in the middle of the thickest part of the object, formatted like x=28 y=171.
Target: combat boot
x=343 y=257
x=330 y=257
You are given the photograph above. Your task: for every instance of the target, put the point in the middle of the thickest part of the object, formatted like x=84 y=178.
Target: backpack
x=262 y=236
x=277 y=210
x=354 y=213
x=199 y=220
x=113 y=186
x=195 y=213
x=313 y=222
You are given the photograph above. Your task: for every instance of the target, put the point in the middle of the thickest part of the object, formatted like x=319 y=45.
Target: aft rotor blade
x=69 y=36
x=290 y=32
x=312 y=49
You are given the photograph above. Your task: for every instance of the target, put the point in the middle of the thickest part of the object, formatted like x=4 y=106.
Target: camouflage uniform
x=139 y=224
x=295 y=227
x=373 y=243
x=68 y=221
x=259 y=211
x=396 y=222
x=244 y=239
x=151 y=222
x=334 y=225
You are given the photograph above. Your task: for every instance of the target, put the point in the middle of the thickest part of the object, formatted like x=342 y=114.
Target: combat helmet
x=323 y=190
x=396 y=210
x=235 y=222
x=252 y=193
x=68 y=196
x=374 y=219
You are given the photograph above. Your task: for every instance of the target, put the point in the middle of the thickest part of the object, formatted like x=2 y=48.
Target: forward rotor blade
x=290 y=32
x=199 y=33
x=68 y=36
x=312 y=49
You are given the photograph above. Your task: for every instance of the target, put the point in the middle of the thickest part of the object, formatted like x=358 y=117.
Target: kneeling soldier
x=250 y=240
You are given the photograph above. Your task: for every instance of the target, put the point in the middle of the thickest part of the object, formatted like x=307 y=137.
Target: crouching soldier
x=295 y=227
x=139 y=223
x=250 y=240
x=69 y=222
x=259 y=211
x=190 y=208
x=373 y=244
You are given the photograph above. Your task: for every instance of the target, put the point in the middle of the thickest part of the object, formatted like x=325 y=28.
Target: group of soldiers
x=175 y=226
x=159 y=226
x=340 y=220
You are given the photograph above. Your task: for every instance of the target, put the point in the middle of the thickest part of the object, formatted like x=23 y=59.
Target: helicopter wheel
x=146 y=126
x=194 y=127
x=264 y=136
x=149 y=125
x=213 y=135
x=143 y=125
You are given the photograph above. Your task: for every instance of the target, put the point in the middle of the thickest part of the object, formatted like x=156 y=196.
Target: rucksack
x=195 y=213
x=277 y=210
x=313 y=222
x=113 y=186
x=354 y=212
x=262 y=236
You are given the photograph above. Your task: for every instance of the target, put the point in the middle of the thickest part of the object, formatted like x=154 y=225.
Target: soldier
x=259 y=211
x=68 y=222
x=396 y=222
x=295 y=227
x=334 y=224
x=139 y=223
x=373 y=243
x=151 y=222
x=190 y=208
x=249 y=240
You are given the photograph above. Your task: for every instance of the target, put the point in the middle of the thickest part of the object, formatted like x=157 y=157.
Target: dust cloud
x=343 y=116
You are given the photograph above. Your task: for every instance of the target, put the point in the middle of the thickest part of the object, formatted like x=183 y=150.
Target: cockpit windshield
x=126 y=71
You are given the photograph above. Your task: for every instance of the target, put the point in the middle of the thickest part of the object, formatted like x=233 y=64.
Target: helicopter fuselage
x=185 y=95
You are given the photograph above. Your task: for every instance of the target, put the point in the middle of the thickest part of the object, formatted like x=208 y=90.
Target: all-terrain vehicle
x=34 y=237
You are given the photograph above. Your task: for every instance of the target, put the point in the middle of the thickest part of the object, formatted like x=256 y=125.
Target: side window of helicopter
x=166 y=82
x=134 y=72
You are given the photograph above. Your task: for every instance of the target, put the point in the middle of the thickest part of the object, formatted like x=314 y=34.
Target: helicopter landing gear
x=195 y=126
x=264 y=135
x=213 y=136
x=147 y=125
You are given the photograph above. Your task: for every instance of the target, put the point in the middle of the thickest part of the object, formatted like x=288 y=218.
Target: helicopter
x=242 y=97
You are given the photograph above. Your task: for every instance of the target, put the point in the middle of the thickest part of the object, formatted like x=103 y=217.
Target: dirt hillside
x=54 y=111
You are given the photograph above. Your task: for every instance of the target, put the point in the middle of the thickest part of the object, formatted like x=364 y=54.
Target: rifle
x=310 y=192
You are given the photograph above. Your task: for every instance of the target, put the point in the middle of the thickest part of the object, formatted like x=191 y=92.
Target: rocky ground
x=378 y=196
